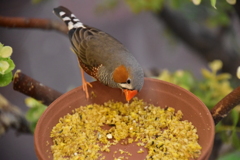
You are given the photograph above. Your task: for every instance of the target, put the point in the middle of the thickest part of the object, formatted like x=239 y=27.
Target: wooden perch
x=34 y=89
x=12 y=117
x=223 y=107
x=19 y=22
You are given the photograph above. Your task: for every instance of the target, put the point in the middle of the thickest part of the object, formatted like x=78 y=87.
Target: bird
x=102 y=56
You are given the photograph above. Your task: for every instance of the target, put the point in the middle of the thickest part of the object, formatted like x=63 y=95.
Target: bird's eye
x=128 y=81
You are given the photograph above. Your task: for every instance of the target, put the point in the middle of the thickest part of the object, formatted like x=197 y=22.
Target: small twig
x=34 y=89
x=19 y=22
x=12 y=117
x=223 y=107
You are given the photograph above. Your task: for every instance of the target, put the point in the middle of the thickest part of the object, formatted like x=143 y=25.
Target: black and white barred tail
x=68 y=17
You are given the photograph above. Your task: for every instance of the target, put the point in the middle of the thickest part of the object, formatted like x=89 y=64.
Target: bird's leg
x=84 y=82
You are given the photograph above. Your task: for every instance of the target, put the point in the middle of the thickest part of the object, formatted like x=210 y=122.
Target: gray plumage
x=99 y=53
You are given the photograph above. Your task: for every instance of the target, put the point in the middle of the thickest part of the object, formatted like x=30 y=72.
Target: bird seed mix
x=80 y=135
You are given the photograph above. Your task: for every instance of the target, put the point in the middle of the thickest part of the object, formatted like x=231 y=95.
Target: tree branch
x=207 y=44
x=34 y=89
x=19 y=22
x=223 y=107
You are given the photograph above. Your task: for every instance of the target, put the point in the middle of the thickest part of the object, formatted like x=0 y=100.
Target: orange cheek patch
x=120 y=74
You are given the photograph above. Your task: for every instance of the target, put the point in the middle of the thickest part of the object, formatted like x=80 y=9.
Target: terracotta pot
x=154 y=91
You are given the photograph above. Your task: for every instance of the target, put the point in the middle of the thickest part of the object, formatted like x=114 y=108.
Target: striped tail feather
x=68 y=17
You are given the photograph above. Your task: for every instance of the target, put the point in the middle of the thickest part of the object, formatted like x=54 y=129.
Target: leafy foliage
x=202 y=12
x=6 y=65
x=35 y=111
x=214 y=86
x=231 y=156
x=211 y=89
x=155 y=5
x=213 y=2
x=181 y=78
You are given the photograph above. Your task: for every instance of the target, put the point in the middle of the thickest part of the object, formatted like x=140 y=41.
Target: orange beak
x=129 y=94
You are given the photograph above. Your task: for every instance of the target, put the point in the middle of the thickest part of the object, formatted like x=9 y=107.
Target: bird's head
x=130 y=80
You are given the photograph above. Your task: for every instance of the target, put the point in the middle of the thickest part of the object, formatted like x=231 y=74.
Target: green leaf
x=6 y=52
x=183 y=79
x=1 y=45
x=33 y=115
x=35 y=111
x=216 y=65
x=11 y=64
x=3 y=66
x=213 y=3
x=31 y=102
x=231 y=156
x=232 y=2
x=223 y=76
x=5 y=79
x=196 y=2
x=207 y=74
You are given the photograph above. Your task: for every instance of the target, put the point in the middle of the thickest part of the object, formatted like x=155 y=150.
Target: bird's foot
x=85 y=88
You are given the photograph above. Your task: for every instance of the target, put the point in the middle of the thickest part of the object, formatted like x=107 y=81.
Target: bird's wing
x=81 y=44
